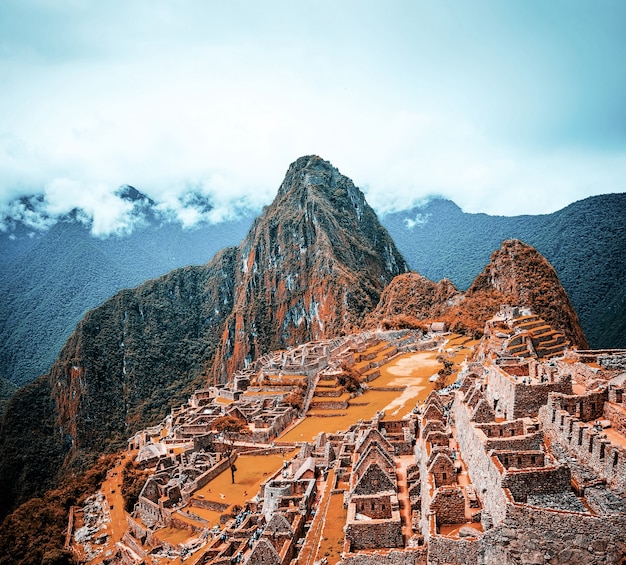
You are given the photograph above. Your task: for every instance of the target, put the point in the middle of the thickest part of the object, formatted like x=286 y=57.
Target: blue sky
x=506 y=107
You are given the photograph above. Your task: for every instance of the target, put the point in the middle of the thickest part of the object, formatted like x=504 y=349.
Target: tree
x=231 y=427
x=444 y=372
x=349 y=379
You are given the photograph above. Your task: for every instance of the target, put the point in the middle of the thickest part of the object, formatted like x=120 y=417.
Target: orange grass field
x=409 y=372
x=252 y=470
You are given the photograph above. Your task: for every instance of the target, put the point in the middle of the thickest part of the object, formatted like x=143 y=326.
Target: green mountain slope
x=48 y=281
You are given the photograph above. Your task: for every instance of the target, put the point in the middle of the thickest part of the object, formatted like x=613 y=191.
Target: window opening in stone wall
x=615 y=455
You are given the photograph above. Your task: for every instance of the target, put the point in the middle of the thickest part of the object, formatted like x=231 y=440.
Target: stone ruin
x=521 y=461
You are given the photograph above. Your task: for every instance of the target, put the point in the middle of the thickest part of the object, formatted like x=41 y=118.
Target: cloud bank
x=505 y=108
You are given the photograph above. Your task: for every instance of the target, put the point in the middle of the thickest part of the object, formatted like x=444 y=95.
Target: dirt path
x=403 y=495
x=111 y=488
x=309 y=550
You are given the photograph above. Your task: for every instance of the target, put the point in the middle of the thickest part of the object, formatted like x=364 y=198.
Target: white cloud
x=409 y=100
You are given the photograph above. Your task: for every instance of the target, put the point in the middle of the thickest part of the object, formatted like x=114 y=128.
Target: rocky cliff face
x=312 y=266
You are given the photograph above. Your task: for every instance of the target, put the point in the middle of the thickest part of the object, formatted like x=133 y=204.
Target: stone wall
x=328 y=404
x=616 y=414
x=615 y=360
x=148 y=511
x=528 y=442
x=376 y=507
x=180 y=524
x=503 y=429
x=520 y=459
x=587 y=407
x=442 y=469
x=444 y=550
x=482 y=471
x=206 y=477
x=208 y=504
x=541 y=536
x=517 y=399
x=374 y=534
x=137 y=529
x=133 y=544
x=448 y=504
x=585 y=442
x=406 y=557
x=547 y=480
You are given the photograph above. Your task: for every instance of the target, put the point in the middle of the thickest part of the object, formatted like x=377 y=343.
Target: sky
x=505 y=107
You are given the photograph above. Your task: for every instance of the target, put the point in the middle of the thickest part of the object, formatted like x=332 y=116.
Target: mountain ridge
x=585 y=242
x=145 y=349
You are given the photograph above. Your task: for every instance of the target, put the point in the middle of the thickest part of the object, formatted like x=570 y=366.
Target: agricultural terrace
x=402 y=383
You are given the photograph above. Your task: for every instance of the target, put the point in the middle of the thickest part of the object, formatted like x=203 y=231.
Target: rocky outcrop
x=520 y=276
x=311 y=267
x=410 y=299
x=517 y=275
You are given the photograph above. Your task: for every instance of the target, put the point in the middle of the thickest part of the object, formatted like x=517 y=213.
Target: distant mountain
x=312 y=266
x=49 y=279
x=584 y=242
x=517 y=274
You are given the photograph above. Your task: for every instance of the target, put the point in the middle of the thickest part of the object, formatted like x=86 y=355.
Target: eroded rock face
x=311 y=267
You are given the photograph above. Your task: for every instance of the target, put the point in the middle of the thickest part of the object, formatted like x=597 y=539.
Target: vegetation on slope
x=34 y=534
x=48 y=281
x=146 y=349
x=517 y=275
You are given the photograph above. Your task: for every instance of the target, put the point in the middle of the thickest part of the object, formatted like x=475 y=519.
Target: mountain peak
x=317 y=259
x=313 y=177
x=524 y=276
x=309 y=170
x=131 y=194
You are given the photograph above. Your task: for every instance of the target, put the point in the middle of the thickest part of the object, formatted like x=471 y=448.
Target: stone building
x=532 y=510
